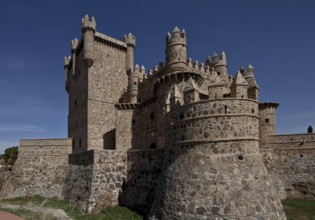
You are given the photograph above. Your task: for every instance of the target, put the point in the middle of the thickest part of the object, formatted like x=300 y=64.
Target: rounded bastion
x=213 y=168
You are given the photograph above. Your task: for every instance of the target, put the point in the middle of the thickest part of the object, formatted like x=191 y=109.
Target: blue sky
x=276 y=37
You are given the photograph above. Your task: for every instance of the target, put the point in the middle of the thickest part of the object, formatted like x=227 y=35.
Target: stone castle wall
x=107 y=81
x=289 y=160
x=214 y=120
x=144 y=170
x=146 y=127
x=41 y=168
x=77 y=80
x=212 y=164
x=98 y=179
x=125 y=129
x=95 y=179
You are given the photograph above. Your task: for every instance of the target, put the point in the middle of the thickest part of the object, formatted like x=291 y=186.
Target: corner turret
x=133 y=81
x=191 y=93
x=239 y=87
x=267 y=121
x=73 y=45
x=220 y=66
x=215 y=58
x=176 y=99
x=65 y=66
x=130 y=41
x=176 y=51
x=249 y=76
x=216 y=88
x=88 y=30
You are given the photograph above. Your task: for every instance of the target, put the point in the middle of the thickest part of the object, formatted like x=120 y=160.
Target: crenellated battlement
x=177 y=37
x=130 y=40
x=87 y=24
x=74 y=45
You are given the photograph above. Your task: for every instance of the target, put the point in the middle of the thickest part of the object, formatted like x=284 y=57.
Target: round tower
x=253 y=91
x=176 y=51
x=133 y=80
x=220 y=66
x=267 y=122
x=88 y=30
x=212 y=166
x=130 y=41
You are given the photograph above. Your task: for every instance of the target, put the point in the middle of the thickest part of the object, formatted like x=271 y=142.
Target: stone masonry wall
x=78 y=183
x=212 y=181
x=212 y=166
x=95 y=179
x=41 y=168
x=215 y=121
x=77 y=115
x=125 y=126
x=144 y=171
x=107 y=81
x=146 y=128
x=290 y=162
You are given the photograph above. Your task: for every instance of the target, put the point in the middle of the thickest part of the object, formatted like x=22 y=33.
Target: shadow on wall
x=109 y=140
x=144 y=171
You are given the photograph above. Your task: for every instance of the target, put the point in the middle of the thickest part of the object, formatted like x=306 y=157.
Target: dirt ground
x=9 y=216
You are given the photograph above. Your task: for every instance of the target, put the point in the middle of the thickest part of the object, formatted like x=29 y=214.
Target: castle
x=184 y=140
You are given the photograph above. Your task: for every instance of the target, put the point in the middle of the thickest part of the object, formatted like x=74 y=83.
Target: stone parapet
x=290 y=138
x=216 y=120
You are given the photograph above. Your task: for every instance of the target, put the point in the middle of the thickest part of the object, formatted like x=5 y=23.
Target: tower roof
x=175 y=92
x=240 y=80
x=191 y=85
x=250 y=67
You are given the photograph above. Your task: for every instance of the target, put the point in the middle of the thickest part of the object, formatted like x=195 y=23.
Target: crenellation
x=214 y=58
x=74 y=44
x=155 y=70
x=161 y=66
x=110 y=42
x=189 y=63
x=87 y=24
x=184 y=140
x=201 y=67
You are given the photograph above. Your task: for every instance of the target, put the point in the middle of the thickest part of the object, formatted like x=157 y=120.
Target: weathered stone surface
x=41 y=168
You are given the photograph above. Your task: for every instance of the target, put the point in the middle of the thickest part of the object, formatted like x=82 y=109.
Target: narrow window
x=182 y=116
x=73 y=144
x=75 y=102
x=80 y=142
x=218 y=73
x=267 y=120
x=225 y=109
x=152 y=115
x=76 y=124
